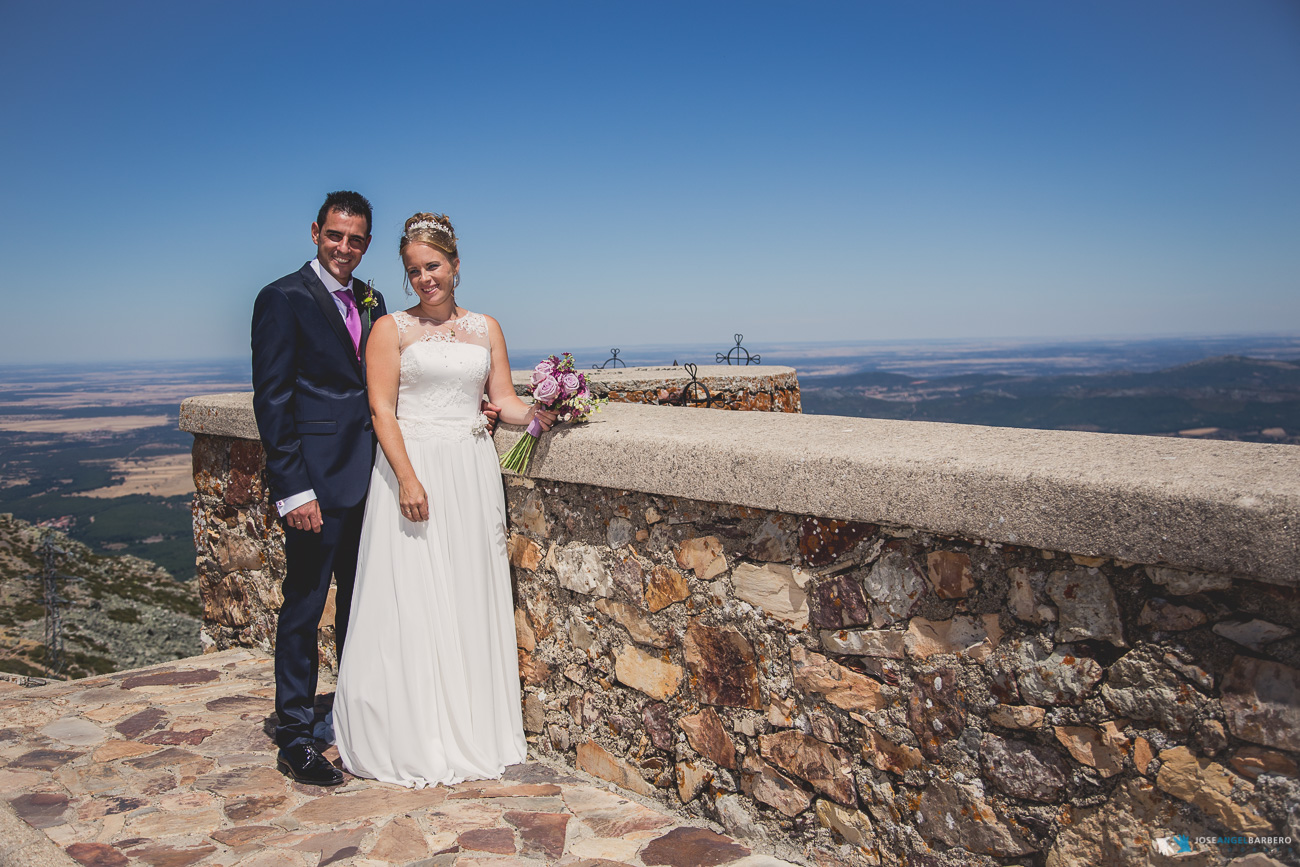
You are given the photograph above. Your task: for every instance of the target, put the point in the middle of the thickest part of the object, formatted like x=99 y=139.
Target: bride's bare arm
x=501 y=391
x=383 y=369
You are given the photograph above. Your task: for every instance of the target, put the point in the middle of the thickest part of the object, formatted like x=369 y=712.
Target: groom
x=309 y=396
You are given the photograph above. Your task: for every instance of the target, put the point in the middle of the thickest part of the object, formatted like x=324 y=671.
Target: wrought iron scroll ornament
x=740 y=353
x=612 y=361
x=690 y=393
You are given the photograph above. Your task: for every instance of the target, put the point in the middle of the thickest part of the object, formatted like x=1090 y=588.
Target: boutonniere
x=368 y=300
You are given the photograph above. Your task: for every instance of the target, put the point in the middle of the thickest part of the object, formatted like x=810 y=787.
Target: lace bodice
x=444 y=369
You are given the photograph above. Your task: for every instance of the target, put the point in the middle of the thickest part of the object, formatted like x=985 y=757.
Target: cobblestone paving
x=174 y=765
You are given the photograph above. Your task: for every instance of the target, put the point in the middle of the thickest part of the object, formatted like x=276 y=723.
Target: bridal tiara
x=430 y=225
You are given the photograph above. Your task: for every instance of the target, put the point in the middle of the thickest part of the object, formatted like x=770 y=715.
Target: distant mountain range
x=1224 y=397
x=949 y=357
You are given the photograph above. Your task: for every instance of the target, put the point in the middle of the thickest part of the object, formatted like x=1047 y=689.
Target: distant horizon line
x=761 y=347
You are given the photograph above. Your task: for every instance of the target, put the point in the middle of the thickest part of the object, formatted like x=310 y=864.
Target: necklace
x=445 y=328
x=438 y=322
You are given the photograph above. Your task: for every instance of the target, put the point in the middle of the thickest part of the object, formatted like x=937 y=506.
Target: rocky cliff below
x=121 y=612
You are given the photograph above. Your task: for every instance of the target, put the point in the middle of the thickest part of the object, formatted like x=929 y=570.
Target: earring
x=455 y=281
x=406 y=287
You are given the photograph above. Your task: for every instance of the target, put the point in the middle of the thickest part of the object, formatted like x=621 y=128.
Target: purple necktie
x=352 y=318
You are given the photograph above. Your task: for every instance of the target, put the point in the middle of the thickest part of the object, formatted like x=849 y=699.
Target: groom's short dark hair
x=347 y=203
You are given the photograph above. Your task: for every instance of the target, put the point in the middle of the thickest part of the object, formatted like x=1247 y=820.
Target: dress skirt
x=428 y=688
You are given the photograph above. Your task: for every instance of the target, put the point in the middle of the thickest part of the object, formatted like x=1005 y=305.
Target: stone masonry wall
x=861 y=694
x=765 y=388
x=239 y=547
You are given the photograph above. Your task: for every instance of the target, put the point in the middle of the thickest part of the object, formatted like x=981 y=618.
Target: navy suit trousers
x=310 y=559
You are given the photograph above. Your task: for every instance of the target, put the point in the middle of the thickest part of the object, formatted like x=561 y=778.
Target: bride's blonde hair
x=432 y=229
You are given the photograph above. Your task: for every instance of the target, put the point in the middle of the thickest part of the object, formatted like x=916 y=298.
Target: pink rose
x=570 y=383
x=546 y=391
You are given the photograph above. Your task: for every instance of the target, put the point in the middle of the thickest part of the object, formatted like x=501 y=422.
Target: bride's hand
x=413 y=501
x=545 y=417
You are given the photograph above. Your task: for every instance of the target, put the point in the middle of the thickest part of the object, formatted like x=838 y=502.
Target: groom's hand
x=305 y=517
x=491 y=410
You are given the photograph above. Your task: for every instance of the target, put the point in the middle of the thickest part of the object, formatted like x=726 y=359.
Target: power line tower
x=54 y=604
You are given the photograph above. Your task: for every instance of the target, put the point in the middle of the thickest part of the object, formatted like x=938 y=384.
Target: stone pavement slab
x=174 y=765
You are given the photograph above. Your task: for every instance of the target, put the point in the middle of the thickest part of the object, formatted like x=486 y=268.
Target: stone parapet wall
x=1209 y=506
x=869 y=694
x=762 y=388
x=239 y=547
x=883 y=642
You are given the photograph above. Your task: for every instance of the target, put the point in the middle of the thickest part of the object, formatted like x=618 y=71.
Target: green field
x=55 y=468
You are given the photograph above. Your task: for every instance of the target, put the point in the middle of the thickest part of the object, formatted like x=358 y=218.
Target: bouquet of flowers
x=557 y=385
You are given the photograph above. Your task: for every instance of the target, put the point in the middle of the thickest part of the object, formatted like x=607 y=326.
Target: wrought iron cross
x=741 y=354
x=613 y=361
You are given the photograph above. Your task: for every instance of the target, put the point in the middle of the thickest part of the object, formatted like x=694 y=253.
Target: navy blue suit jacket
x=309 y=392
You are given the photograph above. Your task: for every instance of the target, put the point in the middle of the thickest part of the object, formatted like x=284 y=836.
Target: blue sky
x=633 y=173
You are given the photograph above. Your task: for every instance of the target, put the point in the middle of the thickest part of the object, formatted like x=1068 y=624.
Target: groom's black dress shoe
x=305 y=765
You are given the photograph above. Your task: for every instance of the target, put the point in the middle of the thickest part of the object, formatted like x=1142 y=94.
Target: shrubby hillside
x=123 y=612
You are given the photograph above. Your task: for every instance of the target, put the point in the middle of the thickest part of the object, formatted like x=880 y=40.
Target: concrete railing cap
x=1202 y=505
x=1194 y=504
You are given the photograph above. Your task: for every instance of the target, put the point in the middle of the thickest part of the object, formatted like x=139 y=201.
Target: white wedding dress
x=428 y=689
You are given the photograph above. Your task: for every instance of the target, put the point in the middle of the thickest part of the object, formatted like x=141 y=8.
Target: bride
x=428 y=689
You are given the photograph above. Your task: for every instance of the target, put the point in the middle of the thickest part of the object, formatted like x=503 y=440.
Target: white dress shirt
x=288 y=504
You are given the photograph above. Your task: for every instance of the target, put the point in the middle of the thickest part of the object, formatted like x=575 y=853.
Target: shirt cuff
x=288 y=504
